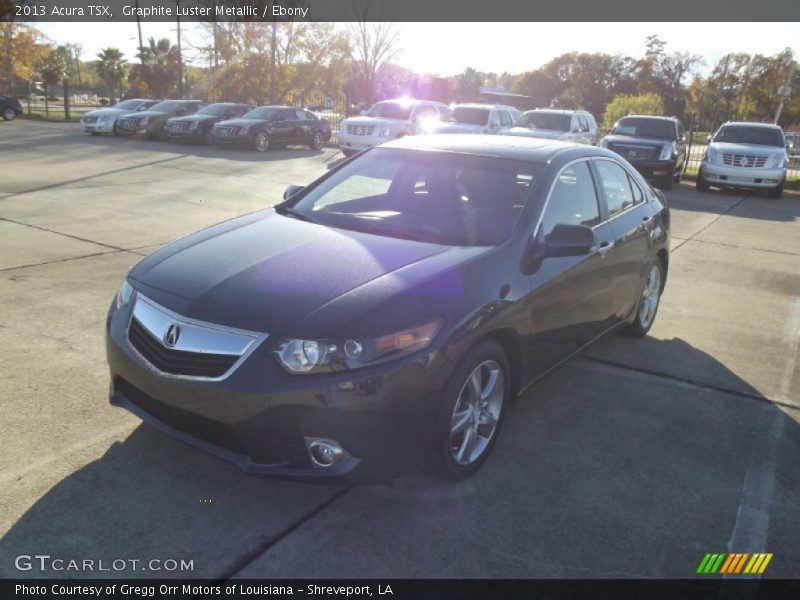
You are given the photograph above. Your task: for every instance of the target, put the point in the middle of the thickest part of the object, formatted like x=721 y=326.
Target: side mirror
x=708 y=139
x=683 y=137
x=291 y=190
x=570 y=240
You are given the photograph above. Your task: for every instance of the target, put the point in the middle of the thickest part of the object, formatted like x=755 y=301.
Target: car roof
x=752 y=124
x=659 y=117
x=561 y=111
x=481 y=105
x=515 y=147
x=409 y=101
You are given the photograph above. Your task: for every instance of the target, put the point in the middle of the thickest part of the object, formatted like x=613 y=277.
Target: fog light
x=325 y=453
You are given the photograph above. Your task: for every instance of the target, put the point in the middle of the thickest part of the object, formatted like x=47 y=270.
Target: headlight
x=776 y=161
x=711 y=155
x=144 y=120
x=244 y=130
x=193 y=125
x=386 y=132
x=668 y=151
x=124 y=294
x=317 y=356
x=604 y=143
x=343 y=127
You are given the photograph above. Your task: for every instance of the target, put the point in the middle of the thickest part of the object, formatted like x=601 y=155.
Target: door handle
x=604 y=247
x=645 y=221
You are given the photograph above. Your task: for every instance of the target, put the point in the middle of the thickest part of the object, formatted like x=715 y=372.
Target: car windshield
x=470 y=115
x=216 y=110
x=147 y=105
x=742 y=134
x=128 y=104
x=263 y=112
x=391 y=110
x=650 y=128
x=166 y=106
x=439 y=197
x=545 y=120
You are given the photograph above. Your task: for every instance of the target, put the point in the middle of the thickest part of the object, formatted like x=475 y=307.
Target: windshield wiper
x=289 y=211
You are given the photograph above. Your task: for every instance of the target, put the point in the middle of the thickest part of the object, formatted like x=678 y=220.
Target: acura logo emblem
x=172 y=334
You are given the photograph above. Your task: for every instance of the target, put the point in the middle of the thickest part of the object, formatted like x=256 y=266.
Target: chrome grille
x=360 y=129
x=127 y=123
x=634 y=152
x=179 y=127
x=226 y=132
x=743 y=160
x=89 y=120
x=181 y=347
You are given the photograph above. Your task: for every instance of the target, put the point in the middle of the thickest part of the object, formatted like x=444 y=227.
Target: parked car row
x=222 y=123
x=750 y=155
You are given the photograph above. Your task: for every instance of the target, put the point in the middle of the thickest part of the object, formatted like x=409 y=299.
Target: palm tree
x=111 y=68
x=160 y=66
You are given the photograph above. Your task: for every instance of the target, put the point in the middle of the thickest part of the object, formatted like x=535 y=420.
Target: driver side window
x=573 y=200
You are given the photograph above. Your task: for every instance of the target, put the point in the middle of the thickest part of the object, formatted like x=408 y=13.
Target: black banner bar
x=714 y=11
x=515 y=589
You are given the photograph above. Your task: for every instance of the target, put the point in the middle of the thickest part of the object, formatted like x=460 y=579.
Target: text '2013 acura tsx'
x=386 y=314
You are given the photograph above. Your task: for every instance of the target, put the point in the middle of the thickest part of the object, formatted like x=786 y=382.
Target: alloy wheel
x=9 y=114
x=262 y=142
x=477 y=412
x=316 y=140
x=650 y=296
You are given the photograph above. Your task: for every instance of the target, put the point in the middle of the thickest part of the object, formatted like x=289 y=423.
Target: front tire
x=776 y=192
x=472 y=411
x=208 y=138
x=649 y=301
x=700 y=183
x=261 y=142
x=9 y=114
x=316 y=141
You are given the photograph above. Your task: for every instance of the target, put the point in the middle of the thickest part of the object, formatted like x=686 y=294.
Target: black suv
x=151 y=123
x=10 y=108
x=656 y=146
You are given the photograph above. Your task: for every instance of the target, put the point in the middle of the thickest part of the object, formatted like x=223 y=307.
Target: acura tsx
x=386 y=314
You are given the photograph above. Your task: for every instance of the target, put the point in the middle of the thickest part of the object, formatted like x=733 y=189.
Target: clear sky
x=448 y=48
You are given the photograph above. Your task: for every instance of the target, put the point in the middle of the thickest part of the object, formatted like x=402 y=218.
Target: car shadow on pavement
x=601 y=470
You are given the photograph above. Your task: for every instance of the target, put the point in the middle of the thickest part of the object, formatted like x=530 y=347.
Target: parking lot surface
x=632 y=460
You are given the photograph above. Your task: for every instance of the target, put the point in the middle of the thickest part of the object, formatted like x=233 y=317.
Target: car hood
x=458 y=128
x=267 y=272
x=728 y=147
x=240 y=122
x=548 y=134
x=192 y=118
x=373 y=121
x=147 y=113
x=105 y=112
x=644 y=141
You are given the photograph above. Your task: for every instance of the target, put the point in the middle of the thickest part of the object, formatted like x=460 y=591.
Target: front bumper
x=186 y=136
x=260 y=417
x=359 y=142
x=749 y=177
x=98 y=127
x=654 y=168
x=248 y=139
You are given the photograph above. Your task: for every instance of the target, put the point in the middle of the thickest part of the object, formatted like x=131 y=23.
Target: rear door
x=630 y=222
x=283 y=127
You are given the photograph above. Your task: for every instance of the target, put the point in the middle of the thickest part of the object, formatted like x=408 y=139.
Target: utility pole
x=785 y=91
x=139 y=27
x=272 y=64
x=180 y=55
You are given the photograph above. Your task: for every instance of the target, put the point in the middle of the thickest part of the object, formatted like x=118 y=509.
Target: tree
x=160 y=67
x=52 y=68
x=374 y=45
x=664 y=74
x=111 y=68
x=468 y=85
x=21 y=48
x=642 y=104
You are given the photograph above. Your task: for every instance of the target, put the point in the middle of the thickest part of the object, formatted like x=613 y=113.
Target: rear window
x=546 y=120
x=743 y=134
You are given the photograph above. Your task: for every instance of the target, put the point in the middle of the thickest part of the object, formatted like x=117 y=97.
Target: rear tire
x=472 y=411
x=9 y=114
x=776 y=192
x=316 y=141
x=649 y=301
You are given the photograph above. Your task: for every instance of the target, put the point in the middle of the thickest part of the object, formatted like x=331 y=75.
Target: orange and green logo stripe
x=733 y=563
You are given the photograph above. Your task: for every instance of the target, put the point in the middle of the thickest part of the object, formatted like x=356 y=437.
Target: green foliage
x=625 y=104
x=52 y=67
x=111 y=68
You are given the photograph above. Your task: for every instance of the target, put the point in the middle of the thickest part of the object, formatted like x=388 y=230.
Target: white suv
x=577 y=126
x=747 y=155
x=477 y=118
x=387 y=120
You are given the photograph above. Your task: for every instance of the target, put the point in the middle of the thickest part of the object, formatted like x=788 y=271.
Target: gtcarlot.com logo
x=734 y=563
x=45 y=562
